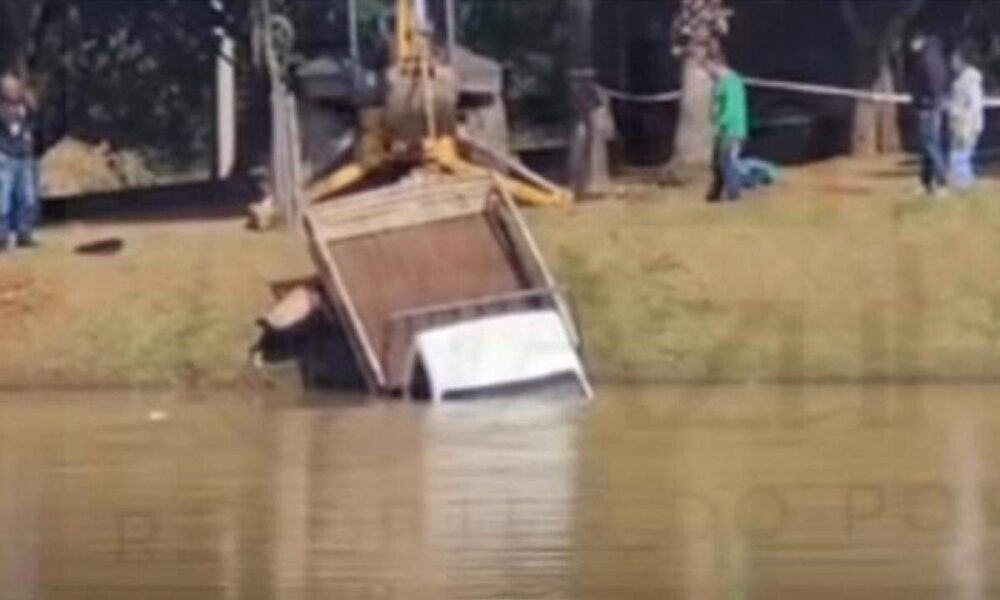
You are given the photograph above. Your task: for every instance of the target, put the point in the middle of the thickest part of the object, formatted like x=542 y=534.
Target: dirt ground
x=841 y=272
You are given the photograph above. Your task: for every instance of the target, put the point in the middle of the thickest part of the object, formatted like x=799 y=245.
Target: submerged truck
x=424 y=258
x=440 y=286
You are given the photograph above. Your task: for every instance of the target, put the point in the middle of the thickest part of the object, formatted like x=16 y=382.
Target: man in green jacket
x=730 y=120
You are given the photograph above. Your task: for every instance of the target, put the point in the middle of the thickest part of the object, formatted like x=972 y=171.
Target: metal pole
x=352 y=24
x=225 y=97
x=452 y=33
x=582 y=89
x=224 y=123
x=422 y=16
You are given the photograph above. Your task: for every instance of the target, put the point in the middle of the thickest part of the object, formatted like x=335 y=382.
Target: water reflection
x=721 y=495
x=647 y=493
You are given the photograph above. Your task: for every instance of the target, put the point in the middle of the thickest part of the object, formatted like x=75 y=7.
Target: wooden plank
x=401 y=217
x=406 y=205
x=425 y=197
x=348 y=312
x=437 y=263
x=347 y=213
x=404 y=192
x=394 y=252
x=497 y=299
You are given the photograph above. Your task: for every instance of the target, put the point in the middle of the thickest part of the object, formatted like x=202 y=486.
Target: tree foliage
x=139 y=74
x=697 y=29
x=981 y=27
x=699 y=25
x=530 y=40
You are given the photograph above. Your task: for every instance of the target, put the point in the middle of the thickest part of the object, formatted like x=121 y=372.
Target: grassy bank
x=175 y=306
x=841 y=272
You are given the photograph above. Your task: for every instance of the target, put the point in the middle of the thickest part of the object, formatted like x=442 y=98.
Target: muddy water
x=647 y=493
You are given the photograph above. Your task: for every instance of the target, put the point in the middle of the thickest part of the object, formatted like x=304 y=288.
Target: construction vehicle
x=434 y=105
x=422 y=254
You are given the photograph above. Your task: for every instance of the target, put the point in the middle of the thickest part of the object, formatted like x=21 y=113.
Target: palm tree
x=877 y=31
x=697 y=28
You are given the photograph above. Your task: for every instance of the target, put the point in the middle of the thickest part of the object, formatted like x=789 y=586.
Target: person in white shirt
x=965 y=120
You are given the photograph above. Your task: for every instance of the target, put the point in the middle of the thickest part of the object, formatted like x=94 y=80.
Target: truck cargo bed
x=423 y=254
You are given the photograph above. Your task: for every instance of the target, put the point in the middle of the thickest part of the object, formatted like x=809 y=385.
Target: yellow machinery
x=416 y=126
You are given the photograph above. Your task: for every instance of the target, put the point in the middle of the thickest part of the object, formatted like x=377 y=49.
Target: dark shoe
x=26 y=241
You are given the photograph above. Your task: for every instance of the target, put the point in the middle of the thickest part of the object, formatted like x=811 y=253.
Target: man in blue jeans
x=18 y=170
x=929 y=83
x=730 y=120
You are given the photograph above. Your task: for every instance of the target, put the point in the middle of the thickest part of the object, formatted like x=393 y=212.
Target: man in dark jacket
x=18 y=169
x=929 y=83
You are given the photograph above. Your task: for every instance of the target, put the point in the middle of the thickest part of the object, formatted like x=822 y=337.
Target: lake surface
x=668 y=492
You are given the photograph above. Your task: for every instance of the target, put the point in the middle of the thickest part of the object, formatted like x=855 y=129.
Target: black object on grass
x=103 y=247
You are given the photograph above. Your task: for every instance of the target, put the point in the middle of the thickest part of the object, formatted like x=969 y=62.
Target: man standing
x=929 y=81
x=18 y=171
x=730 y=120
x=966 y=120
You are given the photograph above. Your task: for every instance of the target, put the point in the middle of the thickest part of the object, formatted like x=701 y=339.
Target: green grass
x=175 y=309
x=834 y=275
x=799 y=283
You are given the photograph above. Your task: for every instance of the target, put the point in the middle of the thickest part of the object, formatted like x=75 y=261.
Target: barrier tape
x=651 y=98
x=828 y=90
x=788 y=86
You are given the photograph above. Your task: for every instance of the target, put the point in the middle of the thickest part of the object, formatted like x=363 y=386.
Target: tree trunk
x=693 y=139
x=889 y=138
x=588 y=161
x=875 y=127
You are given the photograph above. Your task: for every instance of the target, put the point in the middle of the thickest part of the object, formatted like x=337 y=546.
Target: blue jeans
x=726 y=167
x=934 y=167
x=18 y=196
x=963 y=174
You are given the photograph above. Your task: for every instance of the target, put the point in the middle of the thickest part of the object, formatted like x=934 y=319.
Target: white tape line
x=788 y=86
x=659 y=97
x=827 y=90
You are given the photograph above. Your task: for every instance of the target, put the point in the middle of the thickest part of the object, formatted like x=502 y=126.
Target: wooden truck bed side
x=418 y=245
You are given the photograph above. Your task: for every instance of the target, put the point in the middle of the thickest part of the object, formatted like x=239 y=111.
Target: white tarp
x=494 y=351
